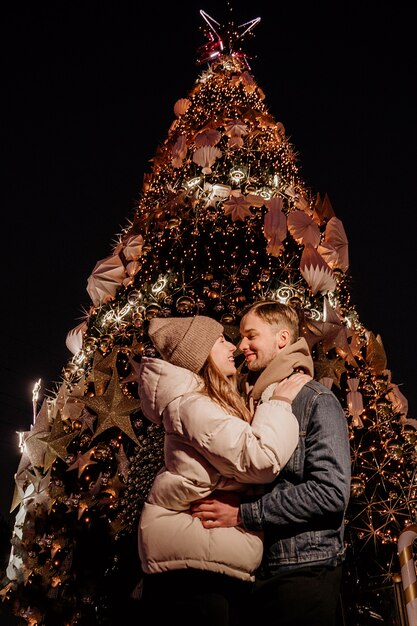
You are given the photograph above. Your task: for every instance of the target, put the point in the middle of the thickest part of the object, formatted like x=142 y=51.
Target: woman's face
x=222 y=356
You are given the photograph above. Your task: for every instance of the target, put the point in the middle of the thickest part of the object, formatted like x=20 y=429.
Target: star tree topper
x=224 y=39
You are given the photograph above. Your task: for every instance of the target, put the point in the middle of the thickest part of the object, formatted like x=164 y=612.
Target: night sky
x=88 y=90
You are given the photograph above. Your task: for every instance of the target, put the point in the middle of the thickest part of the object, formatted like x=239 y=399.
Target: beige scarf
x=295 y=356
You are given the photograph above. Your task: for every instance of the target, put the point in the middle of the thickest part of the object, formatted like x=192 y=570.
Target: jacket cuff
x=282 y=398
x=250 y=516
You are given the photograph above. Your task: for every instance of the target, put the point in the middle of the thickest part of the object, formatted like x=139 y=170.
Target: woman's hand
x=289 y=387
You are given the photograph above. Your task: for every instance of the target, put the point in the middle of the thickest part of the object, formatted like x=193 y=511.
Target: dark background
x=88 y=90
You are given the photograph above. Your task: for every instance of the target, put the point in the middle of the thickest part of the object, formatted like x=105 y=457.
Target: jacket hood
x=293 y=356
x=159 y=383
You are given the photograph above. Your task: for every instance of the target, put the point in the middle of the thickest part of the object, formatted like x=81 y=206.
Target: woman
x=194 y=574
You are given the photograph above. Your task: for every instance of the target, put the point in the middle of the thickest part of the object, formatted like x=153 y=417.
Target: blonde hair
x=223 y=390
x=276 y=314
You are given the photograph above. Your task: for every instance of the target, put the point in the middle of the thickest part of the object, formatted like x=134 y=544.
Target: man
x=302 y=516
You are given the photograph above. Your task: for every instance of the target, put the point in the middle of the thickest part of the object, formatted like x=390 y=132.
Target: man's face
x=260 y=342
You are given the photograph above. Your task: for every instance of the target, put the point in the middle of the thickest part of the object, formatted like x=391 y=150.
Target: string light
x=196 y=258
x=35 y=397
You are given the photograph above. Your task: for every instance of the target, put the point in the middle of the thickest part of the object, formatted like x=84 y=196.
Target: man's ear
x=283 y=338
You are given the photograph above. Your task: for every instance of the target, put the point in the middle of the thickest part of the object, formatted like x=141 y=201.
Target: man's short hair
x=276 y=314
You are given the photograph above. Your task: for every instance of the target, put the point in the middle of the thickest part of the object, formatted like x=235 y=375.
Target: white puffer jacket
x=205 y=449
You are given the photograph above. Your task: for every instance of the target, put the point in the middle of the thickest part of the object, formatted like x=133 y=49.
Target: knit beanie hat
x=185 y=341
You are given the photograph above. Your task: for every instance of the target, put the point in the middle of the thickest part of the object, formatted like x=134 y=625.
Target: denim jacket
x=302 y=516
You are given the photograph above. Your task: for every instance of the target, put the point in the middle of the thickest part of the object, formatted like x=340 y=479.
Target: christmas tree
x=224 y=219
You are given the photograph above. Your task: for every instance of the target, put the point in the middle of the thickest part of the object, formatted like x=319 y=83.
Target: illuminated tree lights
x=224 y=219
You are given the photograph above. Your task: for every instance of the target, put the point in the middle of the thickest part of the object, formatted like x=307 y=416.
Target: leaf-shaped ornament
x=316 y=272
x=303 y=229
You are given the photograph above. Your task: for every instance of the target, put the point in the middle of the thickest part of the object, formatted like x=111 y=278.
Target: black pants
x=306 y=597
x=193 y=597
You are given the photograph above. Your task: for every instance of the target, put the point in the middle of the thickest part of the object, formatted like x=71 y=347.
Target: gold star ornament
x=113 y=408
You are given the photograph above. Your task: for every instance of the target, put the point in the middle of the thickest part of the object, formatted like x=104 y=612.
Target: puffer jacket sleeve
x=324 y=492
x=248 y=453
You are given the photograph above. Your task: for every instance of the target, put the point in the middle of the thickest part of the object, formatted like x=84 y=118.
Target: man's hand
x=220 y=510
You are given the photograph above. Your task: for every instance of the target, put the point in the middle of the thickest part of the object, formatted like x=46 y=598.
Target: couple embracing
x=245 y=520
